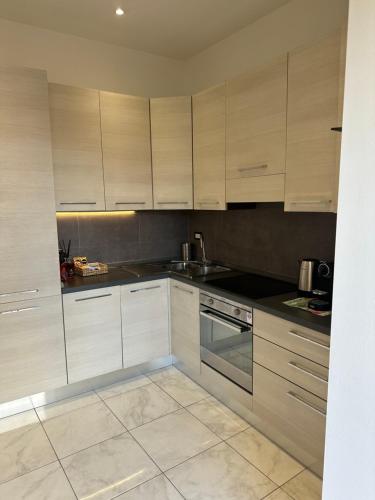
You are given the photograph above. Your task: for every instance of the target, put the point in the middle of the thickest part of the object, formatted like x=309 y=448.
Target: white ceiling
x=172 y=28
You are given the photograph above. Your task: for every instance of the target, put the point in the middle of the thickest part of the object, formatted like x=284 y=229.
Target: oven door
x=227 y=346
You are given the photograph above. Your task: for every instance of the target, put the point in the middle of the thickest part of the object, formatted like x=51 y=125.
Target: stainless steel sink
x=195 y=268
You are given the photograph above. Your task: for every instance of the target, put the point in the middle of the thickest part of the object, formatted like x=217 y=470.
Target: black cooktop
x=253 y=286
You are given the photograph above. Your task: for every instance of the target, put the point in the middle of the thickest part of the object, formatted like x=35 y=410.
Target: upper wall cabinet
x=256 y=134
x=126 y=145
x=209 y=149
x=171 y=138
x=316 y=76
x=76 y=147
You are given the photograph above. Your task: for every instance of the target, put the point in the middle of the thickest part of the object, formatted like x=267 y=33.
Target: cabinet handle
x=23 y=309
x=222 y=322
x=36 y=290
x=143 y=289
x=95 y=297
x=308 y=372
x=173 y=203
x=312 y=202
x=208 y=203
x=183 y=289
x=130 y=203
x=252 y=167
x=77 y=203
x=299 y=399
x=304 y=337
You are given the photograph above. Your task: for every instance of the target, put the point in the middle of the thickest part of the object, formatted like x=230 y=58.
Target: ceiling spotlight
x=119 y=11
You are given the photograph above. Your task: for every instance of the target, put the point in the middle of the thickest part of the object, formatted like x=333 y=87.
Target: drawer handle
x=144 y=289
x=236 y=328
x=130 y=203
x=95 y=297
x=208 y=203
x=182 y=289
x=173 y=203
x=304 y=337
x=21 y=291
x=311 y=202
x=23 y=309
x=308 y=372
x=299 y=399
x=77 y=203
x=252 y=167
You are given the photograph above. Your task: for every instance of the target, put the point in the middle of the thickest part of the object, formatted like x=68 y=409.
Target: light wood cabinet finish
x=32 y=350
x=76 y=147
x=29 y=265
x=256 y=133
x=185 y=328
x=209 y=117
x=92 y=332
x=171 y=140
x=298 y=339
x=314 y=106
x=299 y=370
x=125 y=122
x=145 y=322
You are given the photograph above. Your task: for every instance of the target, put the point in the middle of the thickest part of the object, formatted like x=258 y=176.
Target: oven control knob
x=210 y=301
x=237 y=311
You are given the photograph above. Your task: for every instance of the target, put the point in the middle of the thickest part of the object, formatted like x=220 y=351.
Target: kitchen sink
x=195 y=268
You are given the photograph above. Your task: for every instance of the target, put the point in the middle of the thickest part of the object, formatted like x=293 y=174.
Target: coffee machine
x=316 y=281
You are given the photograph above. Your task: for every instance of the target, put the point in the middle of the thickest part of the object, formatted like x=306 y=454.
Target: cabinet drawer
x=297 y=414
x=298 y=339
x=301 y=371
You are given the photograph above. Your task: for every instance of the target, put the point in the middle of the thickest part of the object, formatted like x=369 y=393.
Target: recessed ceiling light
x=119 y=11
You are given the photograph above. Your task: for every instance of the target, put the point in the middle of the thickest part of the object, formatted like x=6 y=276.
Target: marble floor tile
x=142 y=405
x=179 y=386
x=66 y=405
x=220 y=474
x=278 y=495
x=123 y=386
x=174 y=438
x=108 y=469
x=47 y=483
x=305 y=486
x=265 y=455
x=217 y=417
x=158 y=488
x=167 y=372
x=24 y=445
x=78 y=429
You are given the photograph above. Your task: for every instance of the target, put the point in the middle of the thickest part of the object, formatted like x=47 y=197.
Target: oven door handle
x=220 y=321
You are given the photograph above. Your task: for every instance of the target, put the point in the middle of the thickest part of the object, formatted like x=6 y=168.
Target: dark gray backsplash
x=266 y=239
x=118 y=238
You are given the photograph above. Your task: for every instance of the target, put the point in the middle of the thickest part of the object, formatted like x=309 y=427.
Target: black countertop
x=146 y=272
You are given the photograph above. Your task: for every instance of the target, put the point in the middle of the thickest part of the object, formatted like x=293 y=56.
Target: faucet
x=199 y=236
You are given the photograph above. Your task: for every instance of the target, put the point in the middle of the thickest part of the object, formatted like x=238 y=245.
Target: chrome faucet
x=199 y=236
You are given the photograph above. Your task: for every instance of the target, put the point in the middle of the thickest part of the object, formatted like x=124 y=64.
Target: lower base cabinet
x=145 y=322
x=32 y=350
x=92 y=333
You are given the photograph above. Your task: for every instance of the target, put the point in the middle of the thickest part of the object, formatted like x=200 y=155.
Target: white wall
x=85 y=63
x=297 y=23
x=350 y=442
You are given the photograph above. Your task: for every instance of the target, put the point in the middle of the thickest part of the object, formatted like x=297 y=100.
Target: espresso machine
x=316 y=281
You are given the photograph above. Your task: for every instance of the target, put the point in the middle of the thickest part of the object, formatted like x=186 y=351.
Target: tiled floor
x=156 y=437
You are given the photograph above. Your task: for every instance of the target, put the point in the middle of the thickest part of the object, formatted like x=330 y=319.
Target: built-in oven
x=227 y=338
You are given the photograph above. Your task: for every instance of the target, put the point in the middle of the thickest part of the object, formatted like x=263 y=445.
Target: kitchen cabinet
x=125 y=123
x=256 y=134
x=171 y=142
x=76 y=147
x=185 y=329
x=145 y=322
x=32 y=350
x=209 y=117
x=315 y=98
x=29 y=265
x=92 y=332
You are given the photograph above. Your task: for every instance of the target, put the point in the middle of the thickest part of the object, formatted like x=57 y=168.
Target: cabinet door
x=171 y=140
x=314 y=107
x=145 y=322
x=256 y=134
x=92 y=332
x=32 y=350
x=209 y=149
x=126 y=144
x=76 y=147
x=185 y=336
x=29 y=265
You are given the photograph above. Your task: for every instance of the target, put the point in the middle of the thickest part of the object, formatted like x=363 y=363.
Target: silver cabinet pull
x=304 y=337
x=144 y=289
x=299 y=399
x=312 y=373
x=94 y=297
x=22 y=309
x=182 y=289
x=77 y=203
x=252 y=167
x=208 y=203
x=36 y=290
x=312 y=202
x=173 y=203
x=130 y=203
x=227 y=324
